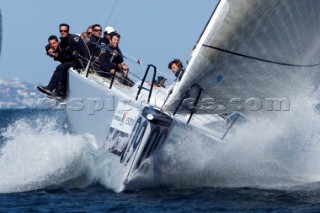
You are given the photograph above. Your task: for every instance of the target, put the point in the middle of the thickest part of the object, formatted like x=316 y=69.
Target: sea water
x=268 y=164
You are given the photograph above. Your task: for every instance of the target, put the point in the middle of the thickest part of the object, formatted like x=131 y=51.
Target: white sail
x=255 y=52
x=250 y=50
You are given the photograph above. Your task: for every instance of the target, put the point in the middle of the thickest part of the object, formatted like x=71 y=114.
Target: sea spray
x=273 y=150
x=36 y=154
x=266 y=152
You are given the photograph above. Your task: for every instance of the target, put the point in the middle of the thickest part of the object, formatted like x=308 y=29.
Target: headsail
x=255 y=50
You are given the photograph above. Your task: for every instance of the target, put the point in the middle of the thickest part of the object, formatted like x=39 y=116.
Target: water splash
x=265 y=152
x=37 y=154
x=271 y=151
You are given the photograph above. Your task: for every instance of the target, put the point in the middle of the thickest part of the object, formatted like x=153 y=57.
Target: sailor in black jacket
x=177 y=68
x=68 y=54
x=59 y=77
x=72 y=48
x=106 y=38
x=111 y=57
x=94 y=42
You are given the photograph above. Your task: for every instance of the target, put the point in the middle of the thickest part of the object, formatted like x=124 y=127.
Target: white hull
x=252 y=51
x=130 y=131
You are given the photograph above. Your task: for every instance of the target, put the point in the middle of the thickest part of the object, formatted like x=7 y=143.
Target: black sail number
x=137 y=135
x=156 y=139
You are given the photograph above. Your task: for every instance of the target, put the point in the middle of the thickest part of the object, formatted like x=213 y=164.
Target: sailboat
x=252 y=58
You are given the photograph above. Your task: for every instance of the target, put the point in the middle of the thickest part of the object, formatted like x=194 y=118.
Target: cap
x=109 y=29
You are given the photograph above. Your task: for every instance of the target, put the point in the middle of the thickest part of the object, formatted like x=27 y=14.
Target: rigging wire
x=111 y=13
x=127 y=56
x=131 y=58
x=100 y=71
x=124 y=55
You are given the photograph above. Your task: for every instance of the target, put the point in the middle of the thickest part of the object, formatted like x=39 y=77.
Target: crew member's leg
x=52 y=84
x=61 y=87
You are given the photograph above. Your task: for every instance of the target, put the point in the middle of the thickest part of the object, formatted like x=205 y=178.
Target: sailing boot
x=45 y=89
x=60 y=92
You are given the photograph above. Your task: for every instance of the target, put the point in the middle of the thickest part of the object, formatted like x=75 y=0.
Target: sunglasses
x=98 y=30
x=89 y=33
x=64 y=31
x=125 y=69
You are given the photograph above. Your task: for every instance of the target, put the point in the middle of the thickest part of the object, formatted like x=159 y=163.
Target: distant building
x=15 y=94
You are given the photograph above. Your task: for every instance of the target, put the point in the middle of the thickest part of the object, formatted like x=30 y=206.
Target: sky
x=154 y=31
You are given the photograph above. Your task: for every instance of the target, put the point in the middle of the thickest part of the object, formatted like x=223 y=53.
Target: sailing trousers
x=59 y=78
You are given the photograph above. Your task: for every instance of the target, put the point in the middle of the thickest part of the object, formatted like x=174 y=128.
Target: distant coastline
x=15 y=94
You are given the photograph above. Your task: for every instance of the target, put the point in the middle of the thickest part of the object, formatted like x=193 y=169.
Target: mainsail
x=252 y=52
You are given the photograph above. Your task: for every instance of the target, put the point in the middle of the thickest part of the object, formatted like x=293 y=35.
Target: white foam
x=274 y=151
x=277 y=151
x=37 y=155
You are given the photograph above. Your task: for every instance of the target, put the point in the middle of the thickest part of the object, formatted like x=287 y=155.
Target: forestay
x=253 y=53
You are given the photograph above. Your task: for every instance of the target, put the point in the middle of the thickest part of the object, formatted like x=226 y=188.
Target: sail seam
x=259 y=59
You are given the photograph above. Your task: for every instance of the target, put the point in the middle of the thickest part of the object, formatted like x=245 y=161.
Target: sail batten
x=256 y=49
